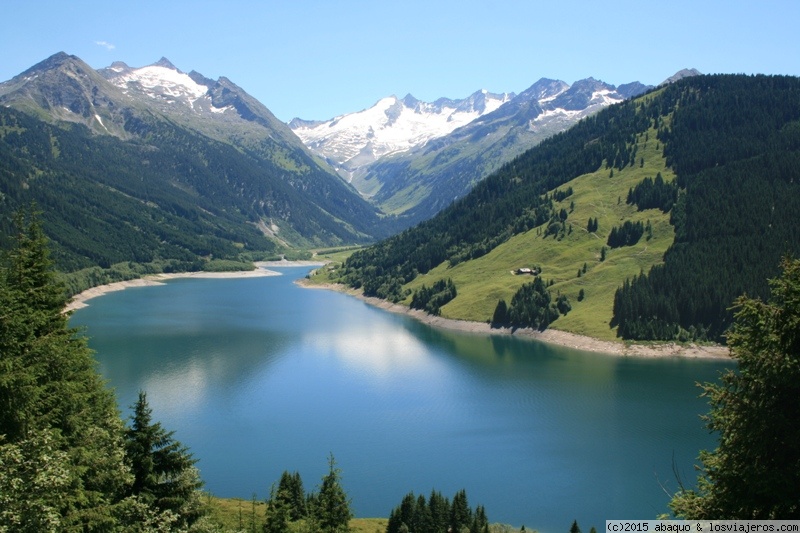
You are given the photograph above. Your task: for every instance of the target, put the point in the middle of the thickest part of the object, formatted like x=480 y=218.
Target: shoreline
x=79 y=301
x=549 y=336
x=262 y=269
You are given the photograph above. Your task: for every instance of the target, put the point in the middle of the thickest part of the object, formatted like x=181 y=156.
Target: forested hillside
x=173 y=196
x=730 y=145
x=148 y=170
x=734 y=143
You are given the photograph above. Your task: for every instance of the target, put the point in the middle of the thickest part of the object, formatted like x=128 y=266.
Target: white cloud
x=104 y=44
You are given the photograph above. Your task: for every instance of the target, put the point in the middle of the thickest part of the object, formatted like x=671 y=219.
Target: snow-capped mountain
x=426 y=178
x=391 y=126
x=161 y=81
x=223 y=151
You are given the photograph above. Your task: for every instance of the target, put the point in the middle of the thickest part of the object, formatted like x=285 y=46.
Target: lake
x=258 y=376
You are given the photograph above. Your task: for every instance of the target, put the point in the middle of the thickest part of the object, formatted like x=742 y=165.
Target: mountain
x=426 y=176
x=353 y=141
x=423 y=181
x=644 y=221
x=683 y=73
x=201 y=153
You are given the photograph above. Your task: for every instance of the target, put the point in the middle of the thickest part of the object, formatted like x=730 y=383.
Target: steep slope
x=422 y=181
x=219 y=152
x=722 y=154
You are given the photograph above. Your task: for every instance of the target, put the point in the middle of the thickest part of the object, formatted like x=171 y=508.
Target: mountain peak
x=393 y=125
x=166 y=63
x=53 y=62
x=683 y=73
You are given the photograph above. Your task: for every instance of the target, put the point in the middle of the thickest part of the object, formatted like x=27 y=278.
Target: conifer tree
x=290 y=492
x=163 y=469
x=51 y=397
x=278 y=512
x=754 y=473
x=440 y=511
x=331 y=510
x=500 y=316
x=460 y=513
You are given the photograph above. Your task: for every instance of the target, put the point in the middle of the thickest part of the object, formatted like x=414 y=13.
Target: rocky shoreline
x=79 y=300
x=551 y=336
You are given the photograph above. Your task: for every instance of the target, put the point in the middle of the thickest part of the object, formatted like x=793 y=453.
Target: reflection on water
x=258 y=376
x=380 y=352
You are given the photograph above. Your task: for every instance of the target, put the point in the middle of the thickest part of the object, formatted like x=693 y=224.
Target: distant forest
x=734 y=143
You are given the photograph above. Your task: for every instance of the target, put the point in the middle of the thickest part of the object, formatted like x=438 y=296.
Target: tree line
x=437 y=514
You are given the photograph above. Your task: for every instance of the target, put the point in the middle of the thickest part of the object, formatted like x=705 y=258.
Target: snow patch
x=388 y=127
x=160 y=82
x=100 y=120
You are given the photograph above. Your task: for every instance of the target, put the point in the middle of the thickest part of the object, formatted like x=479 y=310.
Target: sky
x=318 y=59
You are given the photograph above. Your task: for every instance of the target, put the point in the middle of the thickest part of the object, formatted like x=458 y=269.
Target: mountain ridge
x=430 y=172
x=391 y=125
x=699 y=178
x=424 y=180
x=223 y=157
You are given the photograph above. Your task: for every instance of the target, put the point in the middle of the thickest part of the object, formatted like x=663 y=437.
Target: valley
x=603 y=220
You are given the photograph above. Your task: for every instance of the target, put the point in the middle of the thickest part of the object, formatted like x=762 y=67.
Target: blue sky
x=318 y=59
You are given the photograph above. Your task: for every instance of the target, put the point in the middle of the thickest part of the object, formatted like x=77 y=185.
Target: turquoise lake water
x=258 y=376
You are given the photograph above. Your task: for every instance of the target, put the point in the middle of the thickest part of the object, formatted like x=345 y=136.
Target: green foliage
x=331 y=506
x=52 y=401
x=500 y=315
x=224 y=265
x=63 y=462
x=432 y=299
x=733 y=142
x=163 y=469
x=437 y=515
x=291 y=494
x=626 y=235
x=754 y=474
x=278 y=512
x=531 y=307
x=35 y=479
x=654 y=194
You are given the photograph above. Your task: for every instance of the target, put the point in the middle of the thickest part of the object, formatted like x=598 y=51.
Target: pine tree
x=460 y=513
x=440 y=511
x=754 y=473
x=500 y=316
x=278 y=512
x=332 y=506
x=163 y=469
x=290 y=492
x=51 y=396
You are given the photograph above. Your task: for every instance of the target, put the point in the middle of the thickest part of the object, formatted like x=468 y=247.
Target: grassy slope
x=235 y=514
x=238 y=515
x=482 y=282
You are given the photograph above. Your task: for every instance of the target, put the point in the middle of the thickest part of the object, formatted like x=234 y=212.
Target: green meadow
x=600 y=195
